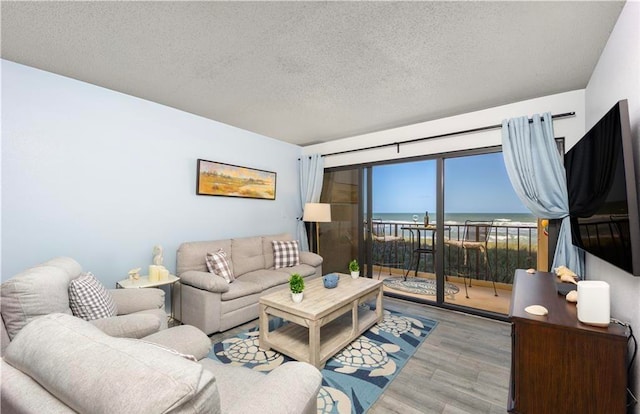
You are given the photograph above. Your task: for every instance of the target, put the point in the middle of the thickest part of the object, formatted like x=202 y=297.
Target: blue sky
x=477 y=184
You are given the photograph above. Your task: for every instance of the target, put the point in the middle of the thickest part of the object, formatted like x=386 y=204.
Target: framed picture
x=219 y=179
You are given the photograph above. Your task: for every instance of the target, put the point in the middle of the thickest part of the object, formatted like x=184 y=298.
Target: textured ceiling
x=309 y=72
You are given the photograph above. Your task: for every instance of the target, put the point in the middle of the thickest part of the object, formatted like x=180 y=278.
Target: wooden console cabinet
x=558 y=364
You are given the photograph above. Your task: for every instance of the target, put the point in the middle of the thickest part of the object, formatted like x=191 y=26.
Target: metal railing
x=509 y=247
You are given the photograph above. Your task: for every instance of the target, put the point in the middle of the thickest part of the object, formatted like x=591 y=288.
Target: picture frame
x=227 y=180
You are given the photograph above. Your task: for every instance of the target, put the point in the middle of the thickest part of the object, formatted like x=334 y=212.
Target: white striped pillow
x=89 y=299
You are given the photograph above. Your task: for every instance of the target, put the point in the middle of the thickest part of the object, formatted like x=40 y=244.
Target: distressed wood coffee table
x=324 y=322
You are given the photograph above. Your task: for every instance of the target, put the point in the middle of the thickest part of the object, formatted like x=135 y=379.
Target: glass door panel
x=339 y=239
x=403 y=203
x=489 y=233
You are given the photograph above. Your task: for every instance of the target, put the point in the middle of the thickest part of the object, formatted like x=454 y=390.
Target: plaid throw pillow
x=89 y=299
x=217 y=263
x=285 y=253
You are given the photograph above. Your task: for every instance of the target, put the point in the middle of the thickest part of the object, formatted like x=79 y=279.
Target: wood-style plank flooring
x=462 y=367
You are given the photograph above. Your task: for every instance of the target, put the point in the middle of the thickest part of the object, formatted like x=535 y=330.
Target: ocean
x=511 y=227
x=501 y=219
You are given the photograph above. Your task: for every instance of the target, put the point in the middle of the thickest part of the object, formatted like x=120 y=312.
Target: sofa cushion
x=267 y=278
x=191 y=255
x=285 y=253
x=74 y=361
x=218 y=264
x=37 y=291
x=89 y=299
x=301 y=269
x=246 y=254
x=240 y=288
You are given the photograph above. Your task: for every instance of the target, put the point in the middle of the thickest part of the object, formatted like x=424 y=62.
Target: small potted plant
x=354 y=268
x=296 y=284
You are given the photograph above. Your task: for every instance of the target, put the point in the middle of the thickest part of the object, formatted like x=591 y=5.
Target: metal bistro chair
x=475 y=237
x=387 y=243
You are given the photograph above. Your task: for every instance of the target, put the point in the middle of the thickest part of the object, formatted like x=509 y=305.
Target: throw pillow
x=89 y=299
x=285 y=253
x=218 y=264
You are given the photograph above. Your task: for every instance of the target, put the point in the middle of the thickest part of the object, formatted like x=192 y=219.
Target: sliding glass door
x=447 y=229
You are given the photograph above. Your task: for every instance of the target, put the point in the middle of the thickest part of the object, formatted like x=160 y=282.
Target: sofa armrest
x=291 y=388
x=310 y=259
x=129 y=326
x=205 y=281
x=136 y=300
x=185 y=339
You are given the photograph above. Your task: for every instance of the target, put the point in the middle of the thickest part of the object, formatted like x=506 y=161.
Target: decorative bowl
x=330 y=281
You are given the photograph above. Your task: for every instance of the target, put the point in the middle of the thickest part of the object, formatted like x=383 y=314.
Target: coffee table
x=324 y=322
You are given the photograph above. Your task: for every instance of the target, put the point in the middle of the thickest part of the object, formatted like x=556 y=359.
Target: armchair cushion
x=33 y=293
x=89 y=299
x=75 y=362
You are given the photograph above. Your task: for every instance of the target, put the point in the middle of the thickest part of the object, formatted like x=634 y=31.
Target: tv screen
x=602 y=192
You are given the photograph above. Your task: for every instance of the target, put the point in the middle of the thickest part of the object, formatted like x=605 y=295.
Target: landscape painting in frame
x=218 y=179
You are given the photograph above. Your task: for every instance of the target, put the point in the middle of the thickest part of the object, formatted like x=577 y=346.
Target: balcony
x=509 y=247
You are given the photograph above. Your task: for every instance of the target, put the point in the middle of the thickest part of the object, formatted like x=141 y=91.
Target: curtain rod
x=448 y=134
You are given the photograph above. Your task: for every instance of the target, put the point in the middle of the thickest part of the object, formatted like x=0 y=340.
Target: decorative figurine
x=134 y=274
x=157 y=255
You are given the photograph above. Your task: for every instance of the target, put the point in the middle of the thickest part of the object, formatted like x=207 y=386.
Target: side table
x=144 y=282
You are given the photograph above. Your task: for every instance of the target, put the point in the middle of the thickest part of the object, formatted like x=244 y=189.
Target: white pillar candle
x=153 y=273
x=163 y=273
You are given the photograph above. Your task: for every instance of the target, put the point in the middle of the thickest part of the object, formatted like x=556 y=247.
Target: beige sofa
x=210 y=303
x=43 y=289
x=62 y=364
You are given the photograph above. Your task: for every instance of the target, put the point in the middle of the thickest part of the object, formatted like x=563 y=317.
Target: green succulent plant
x=354 y=266
x=296 y=283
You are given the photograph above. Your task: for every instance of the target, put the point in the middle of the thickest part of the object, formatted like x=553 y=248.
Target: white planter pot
x=297 y=297
x=355 y=275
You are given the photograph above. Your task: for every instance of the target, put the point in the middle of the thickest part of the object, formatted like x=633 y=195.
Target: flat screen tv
x=603 y=203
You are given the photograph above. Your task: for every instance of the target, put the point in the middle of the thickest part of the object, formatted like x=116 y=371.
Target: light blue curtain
x=311 y=170
x=536 y=172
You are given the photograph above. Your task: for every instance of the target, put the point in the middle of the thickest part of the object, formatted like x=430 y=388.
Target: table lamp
x=317 y=213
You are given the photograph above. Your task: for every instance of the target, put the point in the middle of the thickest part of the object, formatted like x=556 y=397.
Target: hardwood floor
x=462 y=367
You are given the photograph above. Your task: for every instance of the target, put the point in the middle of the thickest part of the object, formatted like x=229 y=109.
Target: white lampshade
x=317 y=212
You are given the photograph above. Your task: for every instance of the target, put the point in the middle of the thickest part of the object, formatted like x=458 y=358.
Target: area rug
x=356 y=376
x=419 y=286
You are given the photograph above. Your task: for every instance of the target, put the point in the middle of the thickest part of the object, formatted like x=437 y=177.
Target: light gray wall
x=616 y=77
x=102 y=177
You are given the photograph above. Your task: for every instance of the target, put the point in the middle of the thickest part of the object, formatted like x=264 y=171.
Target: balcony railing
x=509 y=247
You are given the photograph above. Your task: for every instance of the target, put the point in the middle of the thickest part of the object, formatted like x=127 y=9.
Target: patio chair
x=386 y=243
x=475 y=237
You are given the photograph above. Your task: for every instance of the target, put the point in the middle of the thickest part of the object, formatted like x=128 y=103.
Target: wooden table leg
x=379 y=310
x=314 y=344
x=264 y=328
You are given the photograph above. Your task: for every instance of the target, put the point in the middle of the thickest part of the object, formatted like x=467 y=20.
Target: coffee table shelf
x=326 y=321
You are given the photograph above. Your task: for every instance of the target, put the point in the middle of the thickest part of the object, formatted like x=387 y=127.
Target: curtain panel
x=311 y=172
x=538 y=177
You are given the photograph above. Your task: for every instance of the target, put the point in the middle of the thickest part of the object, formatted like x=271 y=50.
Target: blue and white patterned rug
x=354 y=378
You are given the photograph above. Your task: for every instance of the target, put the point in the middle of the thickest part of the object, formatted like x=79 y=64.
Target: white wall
x=571 y=128
x=616 y=77
x=102 y=177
